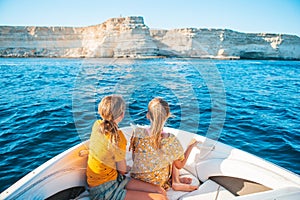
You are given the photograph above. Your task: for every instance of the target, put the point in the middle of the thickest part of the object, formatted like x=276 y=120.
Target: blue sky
x=271 y=16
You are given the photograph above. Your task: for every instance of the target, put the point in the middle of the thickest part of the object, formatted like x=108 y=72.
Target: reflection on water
x=49 y=105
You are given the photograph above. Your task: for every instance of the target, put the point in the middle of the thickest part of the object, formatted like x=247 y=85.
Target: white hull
x=225 y=173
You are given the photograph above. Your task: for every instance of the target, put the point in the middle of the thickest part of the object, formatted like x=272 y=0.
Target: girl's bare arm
x=122 y=167
x=180 y=163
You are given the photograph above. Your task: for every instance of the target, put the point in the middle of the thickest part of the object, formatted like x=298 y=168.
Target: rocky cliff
x=130 y=37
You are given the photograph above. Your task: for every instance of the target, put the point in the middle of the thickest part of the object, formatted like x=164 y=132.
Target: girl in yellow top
x=157 y=155
x=106 y=161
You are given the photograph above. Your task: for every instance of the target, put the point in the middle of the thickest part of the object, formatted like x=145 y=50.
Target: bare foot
x=185 y=180
x=184 y=187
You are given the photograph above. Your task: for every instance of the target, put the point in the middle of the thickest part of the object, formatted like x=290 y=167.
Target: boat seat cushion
x=281 y=193
x=172 y=195
x=207 y=191
x=241 y=170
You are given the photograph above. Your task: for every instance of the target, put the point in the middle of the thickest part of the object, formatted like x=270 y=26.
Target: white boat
x=223 y=172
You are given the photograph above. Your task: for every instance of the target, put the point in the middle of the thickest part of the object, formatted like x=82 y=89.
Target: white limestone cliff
x=119 y=37
x=226 y=44
x=130 y=37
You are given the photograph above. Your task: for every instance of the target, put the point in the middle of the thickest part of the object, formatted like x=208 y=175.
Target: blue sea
x=48 y=105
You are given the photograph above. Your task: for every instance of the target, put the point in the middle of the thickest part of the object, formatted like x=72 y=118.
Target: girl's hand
x=194 y=143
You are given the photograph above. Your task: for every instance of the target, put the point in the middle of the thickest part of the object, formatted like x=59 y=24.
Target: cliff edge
x=130 y=37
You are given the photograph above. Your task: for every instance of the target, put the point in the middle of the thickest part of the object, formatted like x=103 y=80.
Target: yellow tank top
x=103 y=155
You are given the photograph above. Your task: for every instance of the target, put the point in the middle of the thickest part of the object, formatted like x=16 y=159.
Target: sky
x=250 y=16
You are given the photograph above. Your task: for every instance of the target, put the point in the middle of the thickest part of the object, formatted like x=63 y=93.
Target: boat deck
x=215 y=188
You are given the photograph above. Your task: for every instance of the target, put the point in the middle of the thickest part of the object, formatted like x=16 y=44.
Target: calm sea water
x=49 y=105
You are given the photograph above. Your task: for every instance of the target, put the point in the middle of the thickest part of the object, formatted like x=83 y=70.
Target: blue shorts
x=112 y=190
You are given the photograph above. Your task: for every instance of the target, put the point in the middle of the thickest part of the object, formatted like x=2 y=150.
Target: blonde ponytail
x=110 y=108
x=159 y=112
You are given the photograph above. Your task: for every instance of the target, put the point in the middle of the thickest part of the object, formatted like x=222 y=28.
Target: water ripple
x=49 y=105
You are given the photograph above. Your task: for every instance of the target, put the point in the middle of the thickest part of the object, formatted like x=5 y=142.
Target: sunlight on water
x=49 y=105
